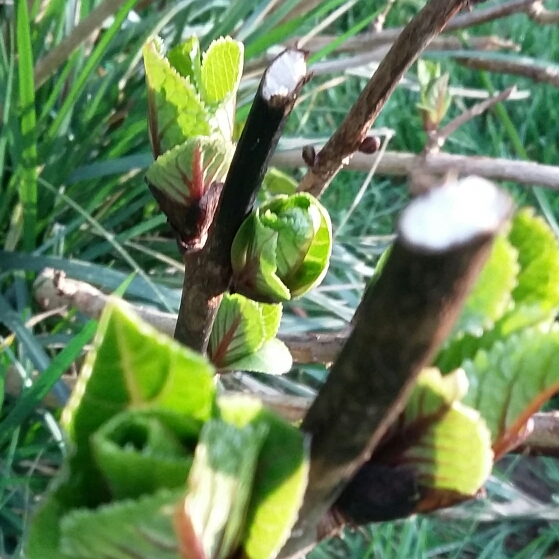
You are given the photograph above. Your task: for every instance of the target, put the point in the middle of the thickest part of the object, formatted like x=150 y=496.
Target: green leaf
x=44 y=532
x=283 y=249
x=512 y=380
x=436 y=100
x=186 y=60
x=132 y=366
x=293 y=219
x=534 y=297
x=219 y=488
x=538 y=256
x=139 y=452
x=277 y=182
x=253 y=258
x=491 y=296
x=315 y=265
x=238 y=330
x=281 y=477
x=446 y=443
x=272 y=358
x=222 y=68
x=176 y=111
x=185 y=172
x=140 y=529
x=26 y=175
x=271 y=318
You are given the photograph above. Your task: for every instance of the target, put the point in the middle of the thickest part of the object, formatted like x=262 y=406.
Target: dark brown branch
x=404 y=317
x=532 y=70
x=207 y=272
x=404 y=164
x=409 y=44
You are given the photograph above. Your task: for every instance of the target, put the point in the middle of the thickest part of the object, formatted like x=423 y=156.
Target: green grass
x=72 y=196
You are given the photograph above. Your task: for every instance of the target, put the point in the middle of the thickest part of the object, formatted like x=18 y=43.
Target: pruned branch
x=347 y=138
x=208 y=271
x=443 y=241
x=404 y=164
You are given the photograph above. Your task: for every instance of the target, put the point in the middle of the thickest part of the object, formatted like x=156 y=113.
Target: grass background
x=73 y=151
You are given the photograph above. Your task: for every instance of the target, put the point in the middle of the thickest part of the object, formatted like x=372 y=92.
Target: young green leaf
x=242 y=337
x=280 y=481
x=238 y=330
x=43 y=537
x=219 y=488
x=222 y=68
x=446 y=443
x=139 y=452
x=185 y=58
x=491 y=296
x=132 y=366
x=176 y=112
x=282 y=250
x=512 y=380
x=185 y=172
x=253 y=256
x=273 y=358
x=139 y=529
x=538 y=256
x=534 y=297
x=277 y=182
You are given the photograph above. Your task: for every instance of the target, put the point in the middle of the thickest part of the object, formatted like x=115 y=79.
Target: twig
x=208 y=271
x=362 y=56
x=539 y=14
x=371 y=40
x=523 y=67
x=404 y=164
x=54 y=291
x=543 y=436
x=57 y=56
x=347 y=138
x=415 y=303
x=438 y=137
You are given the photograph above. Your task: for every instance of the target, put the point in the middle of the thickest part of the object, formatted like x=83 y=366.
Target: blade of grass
x=34 y=350
x=27 y=172
x=353 y=30
x=31 y=398
x=116 y=245
x=92 y=62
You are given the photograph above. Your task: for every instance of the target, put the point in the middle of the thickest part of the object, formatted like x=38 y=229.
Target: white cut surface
x=284 y=74
x=454 y=213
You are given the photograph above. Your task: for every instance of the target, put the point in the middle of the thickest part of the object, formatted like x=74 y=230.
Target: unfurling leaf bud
x=282 y=249
x=186 y=181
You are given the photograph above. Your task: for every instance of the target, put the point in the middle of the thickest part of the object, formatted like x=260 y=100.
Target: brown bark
x=208 y=271
x=403 y=318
